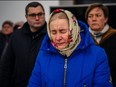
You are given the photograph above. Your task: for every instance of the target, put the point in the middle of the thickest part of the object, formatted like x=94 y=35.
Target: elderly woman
x=68 y=56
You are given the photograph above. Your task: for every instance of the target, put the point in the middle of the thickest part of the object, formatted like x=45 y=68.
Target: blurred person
x=7 y=27
x=103 y=34
x=5 y=33
x=17 y=64
x=18 y=25
x=68 y=56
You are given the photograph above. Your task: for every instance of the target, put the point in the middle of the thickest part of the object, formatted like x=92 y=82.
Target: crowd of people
x=19 y=58
x=59 y=52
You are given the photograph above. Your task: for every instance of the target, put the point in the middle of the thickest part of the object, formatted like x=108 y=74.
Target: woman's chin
x=61 y=47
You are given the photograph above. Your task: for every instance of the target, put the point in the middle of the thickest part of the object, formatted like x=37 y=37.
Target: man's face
x=96 y=19
x=35 y=17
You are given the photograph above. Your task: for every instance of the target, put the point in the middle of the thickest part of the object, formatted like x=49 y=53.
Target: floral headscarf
x=74 y=34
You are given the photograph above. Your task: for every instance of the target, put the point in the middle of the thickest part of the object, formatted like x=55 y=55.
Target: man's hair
x=99 y=5
x=33 y=4
x=8 y=22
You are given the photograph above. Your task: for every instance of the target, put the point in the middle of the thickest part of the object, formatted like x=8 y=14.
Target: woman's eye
x=53 y=32
x=63 y=31
x=89 y=16
x=98 y=15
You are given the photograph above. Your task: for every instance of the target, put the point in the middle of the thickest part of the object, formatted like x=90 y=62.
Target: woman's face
x=96 y=19
x=59 y=32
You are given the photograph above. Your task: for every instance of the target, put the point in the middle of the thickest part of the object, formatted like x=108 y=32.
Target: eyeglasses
x=34 y=15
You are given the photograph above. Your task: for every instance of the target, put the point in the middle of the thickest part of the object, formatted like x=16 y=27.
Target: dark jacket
x=18 y=62
x=86 y=67
x=4 y=39
x=108 y=42
x=2 y=43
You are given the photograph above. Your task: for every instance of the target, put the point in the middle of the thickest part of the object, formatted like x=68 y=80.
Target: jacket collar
x=26 y=29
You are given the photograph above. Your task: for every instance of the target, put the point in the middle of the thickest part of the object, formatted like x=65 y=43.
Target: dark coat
x=4 y=39
x=108 y=42
x=18 y=62
x=2 y=43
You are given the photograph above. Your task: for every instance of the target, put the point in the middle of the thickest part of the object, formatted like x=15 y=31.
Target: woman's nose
x=58 y=37
x=94 y=17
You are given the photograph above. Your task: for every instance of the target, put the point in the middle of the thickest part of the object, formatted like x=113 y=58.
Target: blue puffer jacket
x=86 y=67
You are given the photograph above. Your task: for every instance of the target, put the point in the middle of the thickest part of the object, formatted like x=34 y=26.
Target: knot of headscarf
x=74 y=34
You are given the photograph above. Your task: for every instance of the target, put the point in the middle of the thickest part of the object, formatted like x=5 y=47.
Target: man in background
x=17 y=64
x=5 y=33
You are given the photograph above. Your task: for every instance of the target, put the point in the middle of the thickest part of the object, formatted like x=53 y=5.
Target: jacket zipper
x=65 y=69
x=85 y=85
x=45 y=84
